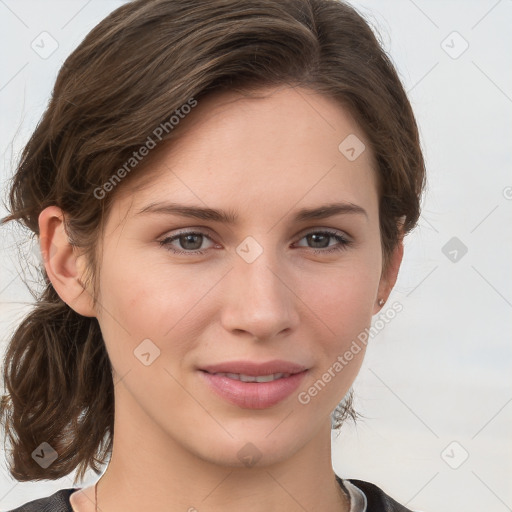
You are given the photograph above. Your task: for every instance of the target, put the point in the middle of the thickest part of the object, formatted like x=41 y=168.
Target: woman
x=220 y=191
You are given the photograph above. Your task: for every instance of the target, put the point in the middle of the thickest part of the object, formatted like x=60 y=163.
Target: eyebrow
x=230 y=217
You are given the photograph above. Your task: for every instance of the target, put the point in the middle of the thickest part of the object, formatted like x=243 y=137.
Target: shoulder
x=377 y=500
x=57 y=502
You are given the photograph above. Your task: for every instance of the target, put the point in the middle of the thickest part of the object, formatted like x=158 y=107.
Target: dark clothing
x=377 y=500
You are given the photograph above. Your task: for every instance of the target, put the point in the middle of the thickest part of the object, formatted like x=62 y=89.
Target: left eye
x=191 y=241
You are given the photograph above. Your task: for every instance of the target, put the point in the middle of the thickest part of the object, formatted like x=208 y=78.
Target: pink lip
x=254 y=395
x=253 y=369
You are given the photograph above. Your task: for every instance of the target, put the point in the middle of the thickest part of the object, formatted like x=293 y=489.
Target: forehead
x=282 y=143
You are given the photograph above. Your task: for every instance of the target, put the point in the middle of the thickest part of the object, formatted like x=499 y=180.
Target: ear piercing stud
x=381 y=302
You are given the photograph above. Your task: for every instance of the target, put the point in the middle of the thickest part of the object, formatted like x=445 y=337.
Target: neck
x=150 y=470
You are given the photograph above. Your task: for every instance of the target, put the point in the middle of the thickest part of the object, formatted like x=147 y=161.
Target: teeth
x=252 y=378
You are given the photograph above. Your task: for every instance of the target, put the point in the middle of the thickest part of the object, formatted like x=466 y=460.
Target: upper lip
x=254 y=369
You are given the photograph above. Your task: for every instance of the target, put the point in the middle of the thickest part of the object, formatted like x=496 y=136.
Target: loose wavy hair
x=129 y=75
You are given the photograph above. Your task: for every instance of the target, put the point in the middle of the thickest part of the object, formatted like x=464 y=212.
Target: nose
x=259 y=300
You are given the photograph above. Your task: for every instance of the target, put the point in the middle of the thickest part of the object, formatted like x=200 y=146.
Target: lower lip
x=254 y=395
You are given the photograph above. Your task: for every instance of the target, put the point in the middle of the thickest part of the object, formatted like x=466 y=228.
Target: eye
x=320 y=239
x=191 y=241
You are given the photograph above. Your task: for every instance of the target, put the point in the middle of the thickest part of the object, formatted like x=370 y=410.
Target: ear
x=389 y=275
x=62 y=263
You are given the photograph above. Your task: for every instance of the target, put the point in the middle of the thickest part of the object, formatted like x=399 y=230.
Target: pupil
x=316 y=236
x=188 y=238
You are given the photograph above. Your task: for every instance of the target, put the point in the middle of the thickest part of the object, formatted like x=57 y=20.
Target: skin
x=176 y=442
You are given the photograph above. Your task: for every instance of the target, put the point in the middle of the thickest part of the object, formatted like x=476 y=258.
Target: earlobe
x=61 y=262
x=389 y=275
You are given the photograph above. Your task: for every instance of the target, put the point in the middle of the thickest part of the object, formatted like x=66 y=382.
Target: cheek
x=130 y=310
x=342 y=296
x=144 y=300
x=341 y=305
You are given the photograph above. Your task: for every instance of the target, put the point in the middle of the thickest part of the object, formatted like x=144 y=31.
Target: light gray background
x=435 y=386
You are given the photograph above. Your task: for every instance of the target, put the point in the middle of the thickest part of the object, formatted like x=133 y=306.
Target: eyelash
x=344 y=243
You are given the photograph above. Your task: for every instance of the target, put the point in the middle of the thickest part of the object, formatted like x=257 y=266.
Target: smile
x=251 y=378
x=253 y=391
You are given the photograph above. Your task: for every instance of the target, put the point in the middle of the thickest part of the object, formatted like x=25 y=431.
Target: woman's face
x=272 y=285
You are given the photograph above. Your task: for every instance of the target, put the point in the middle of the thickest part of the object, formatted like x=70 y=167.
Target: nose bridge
x=259 y=301
x=257 y=270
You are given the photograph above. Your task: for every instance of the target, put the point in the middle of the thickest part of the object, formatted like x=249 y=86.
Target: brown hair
x=134 y=71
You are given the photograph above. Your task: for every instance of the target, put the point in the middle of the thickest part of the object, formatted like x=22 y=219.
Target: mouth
x=251 y=385
x=251 y=378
